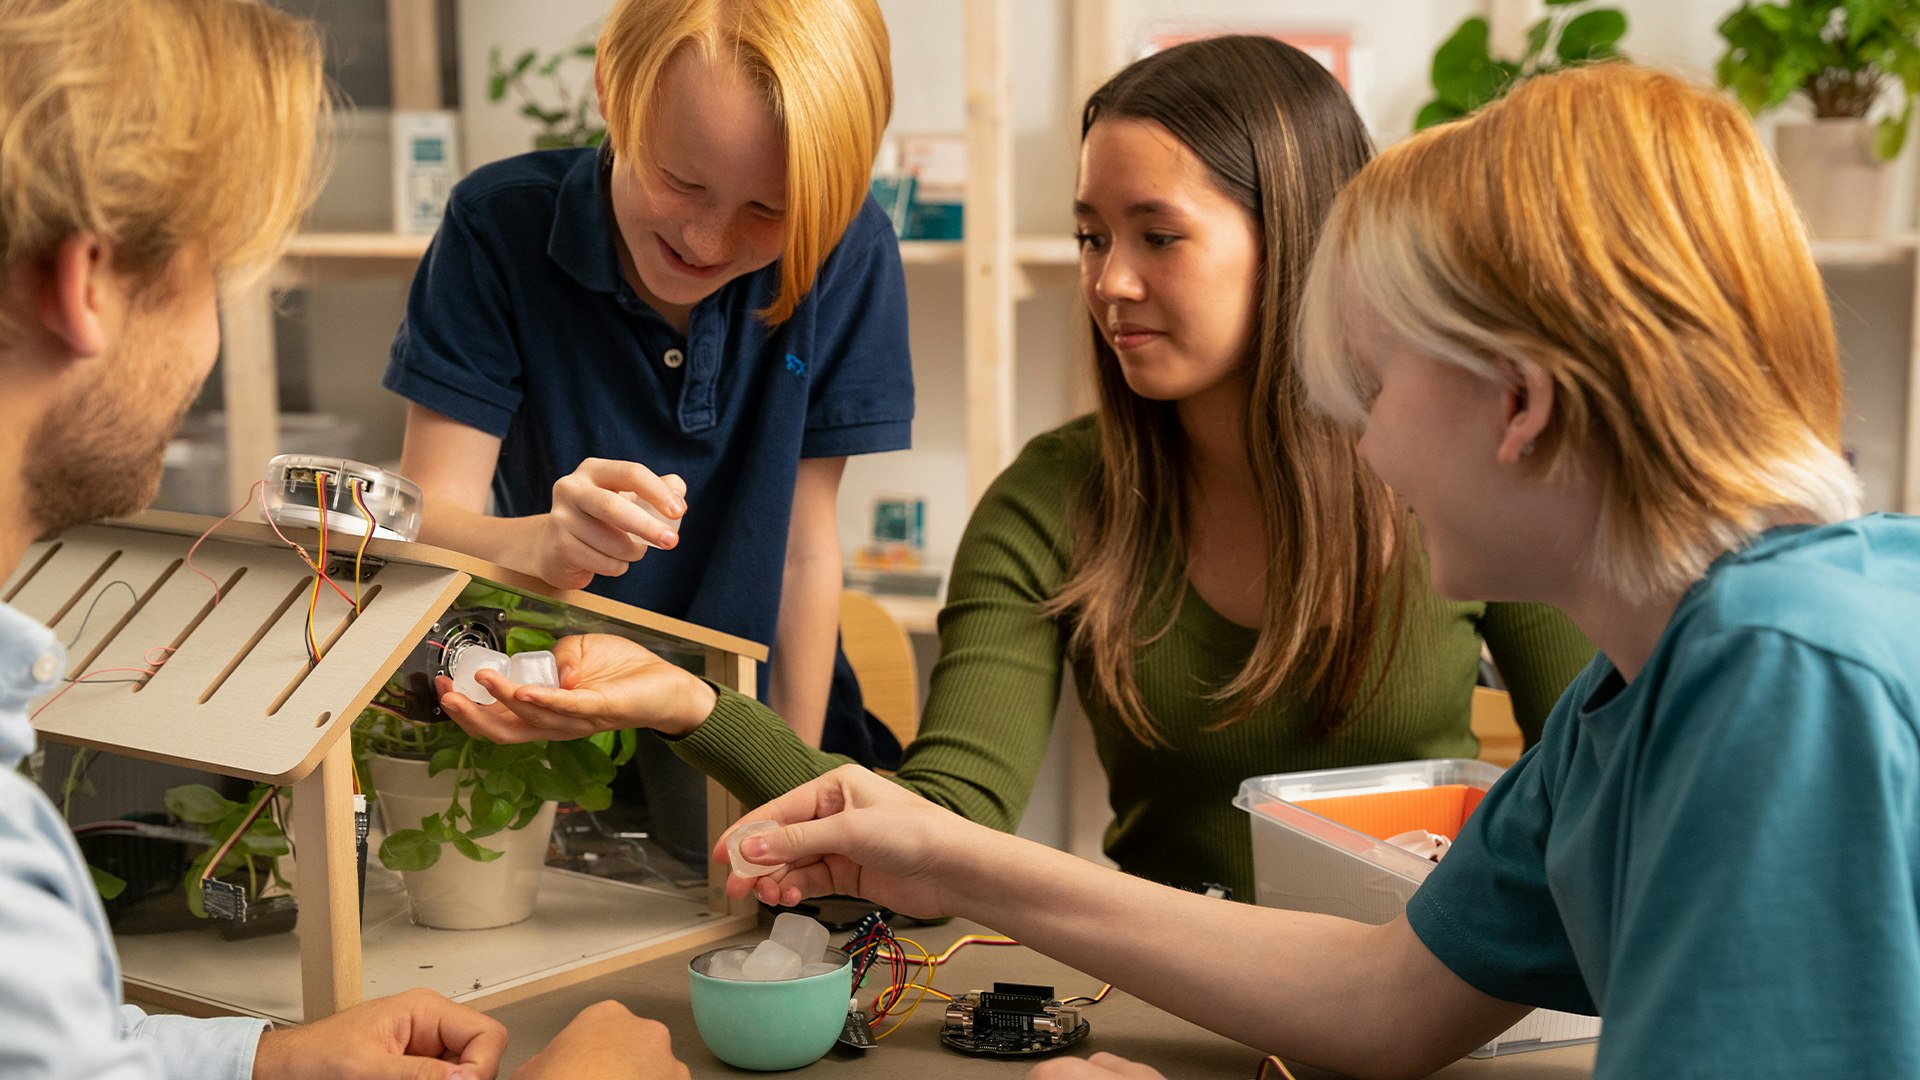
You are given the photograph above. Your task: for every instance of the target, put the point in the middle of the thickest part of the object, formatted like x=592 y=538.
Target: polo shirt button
x=674 y=358
x=45 y=668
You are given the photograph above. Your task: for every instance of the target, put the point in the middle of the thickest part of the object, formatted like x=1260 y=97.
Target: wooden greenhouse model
x=238 y=695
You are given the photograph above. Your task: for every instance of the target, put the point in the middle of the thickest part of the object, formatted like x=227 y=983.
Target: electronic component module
x=1011 y=1020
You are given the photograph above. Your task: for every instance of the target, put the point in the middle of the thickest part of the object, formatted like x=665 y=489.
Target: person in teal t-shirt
x=1581 y=333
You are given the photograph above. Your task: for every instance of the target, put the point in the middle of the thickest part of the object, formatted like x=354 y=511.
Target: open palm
x=606 y=683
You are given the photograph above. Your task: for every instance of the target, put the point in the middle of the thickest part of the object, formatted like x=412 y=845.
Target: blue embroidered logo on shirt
x=796 y=365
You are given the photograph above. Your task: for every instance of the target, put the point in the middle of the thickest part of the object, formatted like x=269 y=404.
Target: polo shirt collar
x=583 y=237
x=31 y=663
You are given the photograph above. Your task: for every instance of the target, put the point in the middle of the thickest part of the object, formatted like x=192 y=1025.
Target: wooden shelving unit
x=1890 y=254
x=998 y=266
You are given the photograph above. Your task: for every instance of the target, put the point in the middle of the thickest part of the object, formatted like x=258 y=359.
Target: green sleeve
x=991 y=701
x=1538 y=651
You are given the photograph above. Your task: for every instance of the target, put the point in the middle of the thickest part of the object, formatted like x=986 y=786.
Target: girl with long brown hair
x=1234 y=592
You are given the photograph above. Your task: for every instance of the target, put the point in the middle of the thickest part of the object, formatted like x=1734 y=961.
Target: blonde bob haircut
x=824 y=67
x=154 y=124
x=1623 y=233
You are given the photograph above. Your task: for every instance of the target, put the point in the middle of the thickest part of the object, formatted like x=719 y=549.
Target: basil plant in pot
x=1856 y=64
x=439 y=788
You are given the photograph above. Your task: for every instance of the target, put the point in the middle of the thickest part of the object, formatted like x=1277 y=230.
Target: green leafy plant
x=220 y=816
x=495 y=787
x=1466 y=75
x=1841 y=55
x=565 y=113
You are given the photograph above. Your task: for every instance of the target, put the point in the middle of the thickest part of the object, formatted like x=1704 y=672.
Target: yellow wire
x=313 y=605
x=927 y=963
x=972 y=939
x=1097 y=997
x=354 y=487
x=313 y=602
x=1273 y=1060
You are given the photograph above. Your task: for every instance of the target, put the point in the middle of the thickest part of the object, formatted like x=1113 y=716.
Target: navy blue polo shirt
x=520 y=324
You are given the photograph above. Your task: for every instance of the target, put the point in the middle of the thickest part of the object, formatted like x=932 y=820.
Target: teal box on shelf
x=914 y=216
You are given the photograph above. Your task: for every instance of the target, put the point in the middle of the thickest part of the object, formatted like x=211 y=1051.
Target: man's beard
x=99 y=452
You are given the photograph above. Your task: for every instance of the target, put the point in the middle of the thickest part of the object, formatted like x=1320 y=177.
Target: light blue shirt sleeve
x=60 y=1010
x=60 y=1013
x=190 y=1048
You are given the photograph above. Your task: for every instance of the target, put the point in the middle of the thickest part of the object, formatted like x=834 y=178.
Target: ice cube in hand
x=743 y=866
x=803 y=937
x=534 y=669
x=771 y=961
x=728 y=964
x=467 y=662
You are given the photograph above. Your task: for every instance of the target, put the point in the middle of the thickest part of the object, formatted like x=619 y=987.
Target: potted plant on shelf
x=1843 y=57
x=1466 y=75
x=438 y=788
x=568 y=115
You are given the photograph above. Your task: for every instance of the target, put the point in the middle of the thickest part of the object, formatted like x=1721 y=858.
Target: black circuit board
x=1012 y=1020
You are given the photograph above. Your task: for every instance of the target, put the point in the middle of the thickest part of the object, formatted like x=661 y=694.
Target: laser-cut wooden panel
x=237 y=694
x=221 y=700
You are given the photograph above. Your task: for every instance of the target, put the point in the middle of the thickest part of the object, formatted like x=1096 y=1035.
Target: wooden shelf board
x=358 y=245
x=1027 y=251
x=582 y=925
x=1846 y=253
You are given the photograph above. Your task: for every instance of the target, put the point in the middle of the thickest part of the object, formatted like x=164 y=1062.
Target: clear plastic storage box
x=1319 y=844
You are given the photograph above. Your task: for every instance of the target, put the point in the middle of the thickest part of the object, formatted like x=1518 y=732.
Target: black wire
x=131 y=591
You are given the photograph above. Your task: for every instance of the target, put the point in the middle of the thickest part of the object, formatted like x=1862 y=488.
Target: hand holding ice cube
x=606 y=514
x=740 y=864
x=604 y=683
x=527 y=669
x=853 y=833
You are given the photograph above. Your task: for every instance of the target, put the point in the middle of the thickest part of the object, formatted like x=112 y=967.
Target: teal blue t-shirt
x=1721 y=858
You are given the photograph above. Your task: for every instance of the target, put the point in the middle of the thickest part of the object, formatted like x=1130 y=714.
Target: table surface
x=1121 y=1024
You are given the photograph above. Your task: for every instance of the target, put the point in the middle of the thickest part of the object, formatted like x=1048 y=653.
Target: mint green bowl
x=770 y=1026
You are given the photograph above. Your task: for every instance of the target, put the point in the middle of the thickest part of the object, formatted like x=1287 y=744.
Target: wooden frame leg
x=329 y=886
x=734 y=673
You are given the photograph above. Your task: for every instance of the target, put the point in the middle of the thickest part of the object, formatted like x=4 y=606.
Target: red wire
x=257 y=484
x=308 y=559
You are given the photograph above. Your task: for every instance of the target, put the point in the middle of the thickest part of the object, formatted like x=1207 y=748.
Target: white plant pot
x=1842 y=189
x=457 y=893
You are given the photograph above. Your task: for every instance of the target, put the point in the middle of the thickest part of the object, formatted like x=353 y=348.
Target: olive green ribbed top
x=990 y=708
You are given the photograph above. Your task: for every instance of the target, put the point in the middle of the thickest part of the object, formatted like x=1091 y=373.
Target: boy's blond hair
x=1624 y=233
x=824 y=67
x=154 y=124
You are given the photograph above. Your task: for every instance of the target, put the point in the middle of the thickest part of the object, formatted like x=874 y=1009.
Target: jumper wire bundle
x=909 y=967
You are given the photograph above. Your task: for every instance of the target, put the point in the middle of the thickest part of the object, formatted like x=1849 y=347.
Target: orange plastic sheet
x=1441 y=809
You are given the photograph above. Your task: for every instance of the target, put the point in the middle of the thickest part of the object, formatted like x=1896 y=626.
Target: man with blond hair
x=148 y=149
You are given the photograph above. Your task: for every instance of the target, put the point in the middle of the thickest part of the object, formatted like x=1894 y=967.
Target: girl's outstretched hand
x=606 y=683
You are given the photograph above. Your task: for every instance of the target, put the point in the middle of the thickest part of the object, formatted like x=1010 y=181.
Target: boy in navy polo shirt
x=709 y=316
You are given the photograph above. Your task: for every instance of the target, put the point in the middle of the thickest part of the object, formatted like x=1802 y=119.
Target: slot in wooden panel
x=139 y=601
x=85 y=586
x=246 y=649
x=199 y=617
x=21 y=581
x=326 y=647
